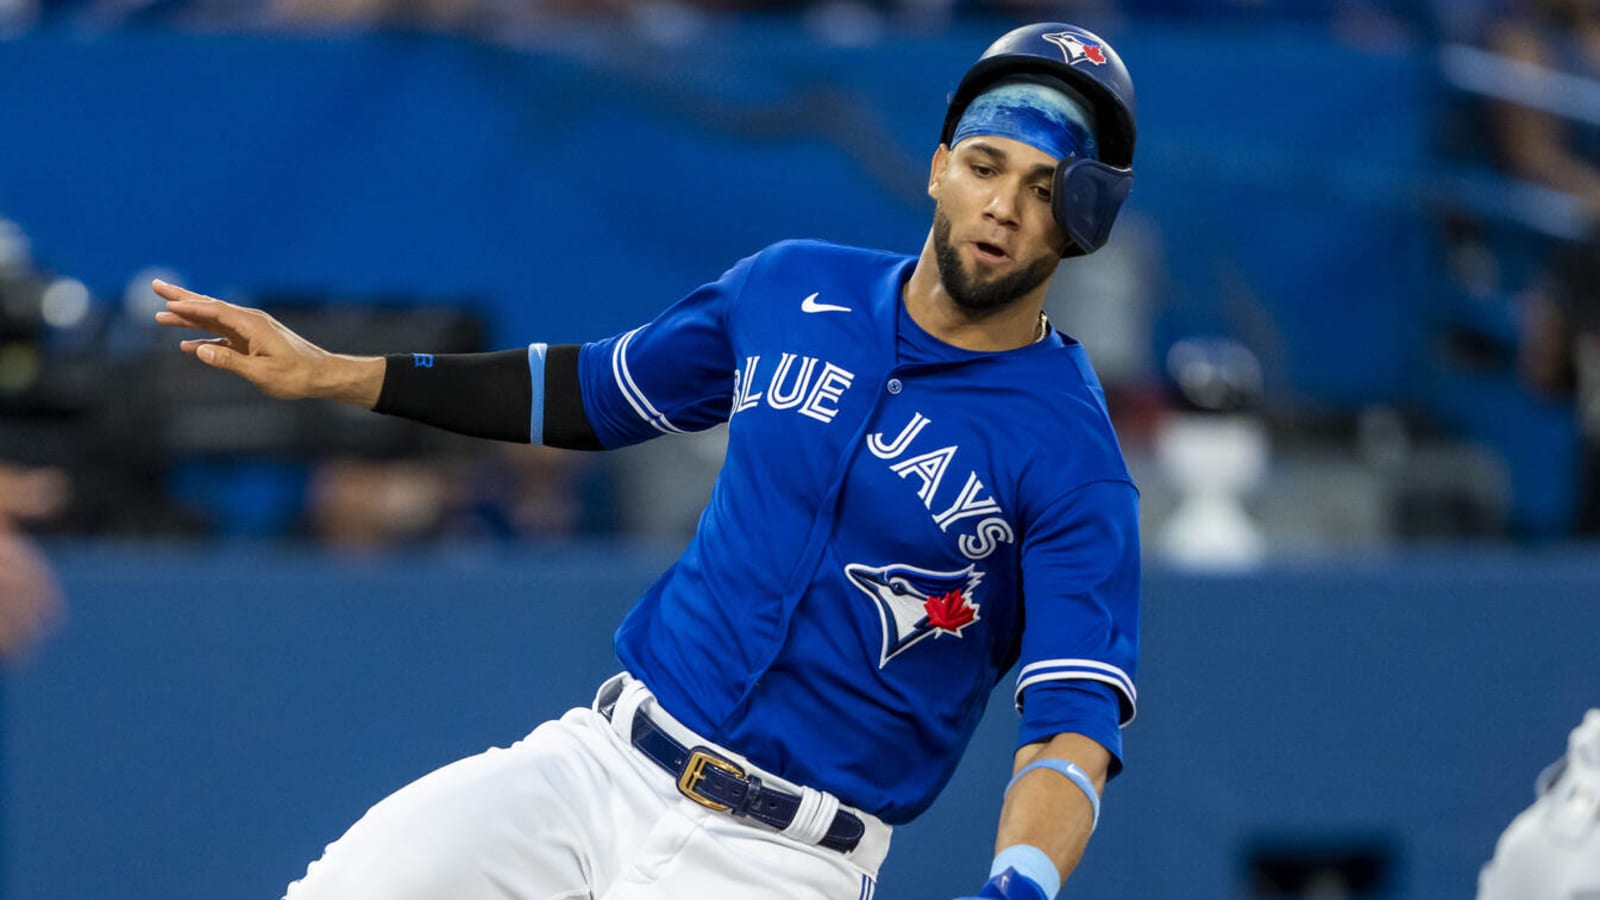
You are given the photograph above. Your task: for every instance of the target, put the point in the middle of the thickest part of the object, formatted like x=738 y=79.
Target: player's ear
x=941 y=160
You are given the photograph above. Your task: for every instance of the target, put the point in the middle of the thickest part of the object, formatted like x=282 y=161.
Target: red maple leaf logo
x=1095 y=54
x=950 y=612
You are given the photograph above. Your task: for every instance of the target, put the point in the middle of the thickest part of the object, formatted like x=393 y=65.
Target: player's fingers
x=207 y=313
x=174 y=320
x=218 y=356
x=259 y=372
x=171 y=292
x=248 y=329
x=204 y=312
x=168 y=317
x=229 y=337
x=188 y=308
x=190 y=346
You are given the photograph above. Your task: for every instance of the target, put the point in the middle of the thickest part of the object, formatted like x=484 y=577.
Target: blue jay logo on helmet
x=915 y=603
x=1076 y=49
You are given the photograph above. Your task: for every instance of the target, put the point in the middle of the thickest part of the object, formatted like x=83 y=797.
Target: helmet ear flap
x=1086 y=195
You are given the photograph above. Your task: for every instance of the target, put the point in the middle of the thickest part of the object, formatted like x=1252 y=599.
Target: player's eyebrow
x=1040 y=170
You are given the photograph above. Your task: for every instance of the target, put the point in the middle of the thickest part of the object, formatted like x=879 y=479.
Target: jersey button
x=894 y=386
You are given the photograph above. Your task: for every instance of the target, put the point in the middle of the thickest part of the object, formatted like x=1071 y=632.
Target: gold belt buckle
x=695 y=772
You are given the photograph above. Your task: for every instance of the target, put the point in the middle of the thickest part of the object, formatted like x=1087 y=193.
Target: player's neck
x=1016 y=324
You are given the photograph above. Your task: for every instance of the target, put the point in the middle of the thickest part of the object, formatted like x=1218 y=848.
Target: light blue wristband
x=1075 y=774
x=536 y=355
x=1031 y=863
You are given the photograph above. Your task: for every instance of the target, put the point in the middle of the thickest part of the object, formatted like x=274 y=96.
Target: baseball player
x=1551 y=851
x=922 y=491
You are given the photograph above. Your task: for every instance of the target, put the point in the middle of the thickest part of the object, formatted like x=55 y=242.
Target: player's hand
x=1008 y=885
x=252 y=344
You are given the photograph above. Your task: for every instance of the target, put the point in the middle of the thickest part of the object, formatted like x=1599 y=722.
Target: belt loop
x=607 y=687
x=815 y=815
x=634 y=694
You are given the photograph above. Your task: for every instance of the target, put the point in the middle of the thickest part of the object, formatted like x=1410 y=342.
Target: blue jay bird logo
x=914 y=603
x=1076 y=49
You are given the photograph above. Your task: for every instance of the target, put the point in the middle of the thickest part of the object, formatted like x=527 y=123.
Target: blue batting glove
x=1008 y=885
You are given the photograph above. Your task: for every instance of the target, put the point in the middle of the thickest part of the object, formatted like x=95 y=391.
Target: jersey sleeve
x=1079 y=706
x=669 y=376
x=1080 y=577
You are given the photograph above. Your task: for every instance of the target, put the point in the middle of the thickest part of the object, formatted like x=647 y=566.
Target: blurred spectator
x=534 y=492
x=424 y=13
x=1563 y=38
x=30 y=600
x=362 y=506
x=514 y=492
x=1560 y=355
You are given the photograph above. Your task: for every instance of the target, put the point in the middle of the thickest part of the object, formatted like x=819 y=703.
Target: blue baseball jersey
x=897 y=524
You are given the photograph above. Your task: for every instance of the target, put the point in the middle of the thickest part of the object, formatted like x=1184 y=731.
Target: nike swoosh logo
x=811 y=305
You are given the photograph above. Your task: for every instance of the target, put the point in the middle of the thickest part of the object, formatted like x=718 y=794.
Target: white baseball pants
x=574 y=811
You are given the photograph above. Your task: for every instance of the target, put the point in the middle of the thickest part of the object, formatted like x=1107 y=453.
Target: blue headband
x=1039 y=116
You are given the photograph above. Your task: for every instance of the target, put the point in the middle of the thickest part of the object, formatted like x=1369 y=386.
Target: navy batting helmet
x=1086 y=193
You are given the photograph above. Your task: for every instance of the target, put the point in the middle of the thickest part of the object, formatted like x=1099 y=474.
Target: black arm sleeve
x=565 y=422
x=489 y=395
x=479 y=394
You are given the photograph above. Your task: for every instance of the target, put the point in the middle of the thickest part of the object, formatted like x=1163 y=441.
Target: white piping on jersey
x=636 y=398
x=1084 y=669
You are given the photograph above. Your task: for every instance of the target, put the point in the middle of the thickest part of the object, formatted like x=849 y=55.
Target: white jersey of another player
x=1551 y=851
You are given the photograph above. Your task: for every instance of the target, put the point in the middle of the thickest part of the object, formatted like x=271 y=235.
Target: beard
x=977 y=296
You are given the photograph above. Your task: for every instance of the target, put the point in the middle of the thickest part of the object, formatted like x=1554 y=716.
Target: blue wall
x=209 y=719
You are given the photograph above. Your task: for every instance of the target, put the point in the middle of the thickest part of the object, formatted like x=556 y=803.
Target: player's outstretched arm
x=1050 y=810
x=488 y=395
x=258 y=348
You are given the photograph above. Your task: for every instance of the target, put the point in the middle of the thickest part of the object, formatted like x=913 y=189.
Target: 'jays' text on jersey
x=897 y=523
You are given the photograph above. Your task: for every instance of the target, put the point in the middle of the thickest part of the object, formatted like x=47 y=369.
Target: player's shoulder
x=814 y=252
x=1072 y=418
x=849 y=275
x=1064 y=376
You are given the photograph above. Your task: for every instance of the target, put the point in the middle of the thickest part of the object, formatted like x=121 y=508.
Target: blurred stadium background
x=1349 y=325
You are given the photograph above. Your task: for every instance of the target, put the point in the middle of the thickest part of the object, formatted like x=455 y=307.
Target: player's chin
x=983 y=280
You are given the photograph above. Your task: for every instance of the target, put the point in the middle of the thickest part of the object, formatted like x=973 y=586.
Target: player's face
x=995 y=236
